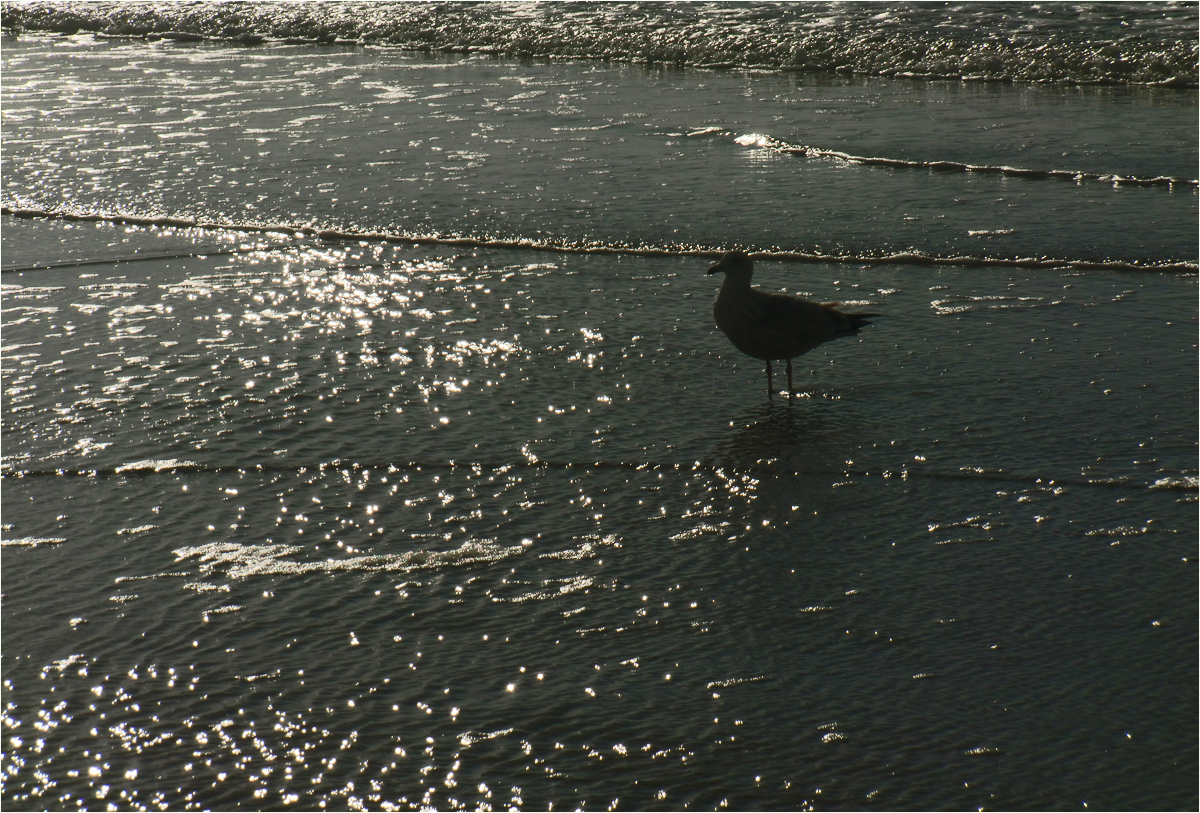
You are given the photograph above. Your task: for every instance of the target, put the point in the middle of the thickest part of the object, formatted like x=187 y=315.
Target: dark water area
x=495 y=543
x=368 y=442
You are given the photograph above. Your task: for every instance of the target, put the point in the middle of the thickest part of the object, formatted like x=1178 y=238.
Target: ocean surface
x=368 y=442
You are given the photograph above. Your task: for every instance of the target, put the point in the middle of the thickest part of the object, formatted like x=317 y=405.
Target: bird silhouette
x=774 y=326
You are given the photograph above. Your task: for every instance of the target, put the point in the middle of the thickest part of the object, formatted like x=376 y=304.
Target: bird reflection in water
x=815 y=441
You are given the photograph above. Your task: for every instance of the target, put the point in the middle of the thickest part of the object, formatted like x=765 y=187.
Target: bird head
x=734 y=264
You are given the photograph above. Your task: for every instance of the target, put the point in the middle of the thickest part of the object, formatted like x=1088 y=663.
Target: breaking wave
x=1110 y=43
x=773 y=144
x=287 y=231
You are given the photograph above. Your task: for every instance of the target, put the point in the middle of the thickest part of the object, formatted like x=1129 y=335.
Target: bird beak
x=716 y=269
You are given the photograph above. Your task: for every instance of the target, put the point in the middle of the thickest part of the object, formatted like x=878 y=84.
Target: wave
x=236 y=561
x=911 y=257
x=1115 y=43
x=1181 y=482
x=773 y=144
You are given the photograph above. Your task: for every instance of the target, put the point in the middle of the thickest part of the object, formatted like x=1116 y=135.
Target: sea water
x=368 y=442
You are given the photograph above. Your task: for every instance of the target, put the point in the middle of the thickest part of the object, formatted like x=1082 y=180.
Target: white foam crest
x=589 y=546
x=962 y=304
x=1150 y=44
x=32 y=541
x=1121 y=530
x=237 y=561
x=698 y=531
x=467 y=738
x=565 y=587
x=1181 y=482
x=136 y=530
x=123 y=579
x=735 y=681
x=155 y=465
x=223 y=609
x=265 y=676
x=768 y=142
x=586 y=246
x=982 y=522
x=205 y=587
x=67 y=662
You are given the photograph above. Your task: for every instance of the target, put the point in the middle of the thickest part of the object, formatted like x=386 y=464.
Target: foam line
x=592 y=247
x=767 y=142
x=1149 y=45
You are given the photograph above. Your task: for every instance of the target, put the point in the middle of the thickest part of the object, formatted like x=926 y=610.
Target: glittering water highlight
x=331 y=482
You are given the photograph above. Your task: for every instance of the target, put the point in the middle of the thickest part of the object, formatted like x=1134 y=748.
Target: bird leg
x=789 y=369
x=770 y=389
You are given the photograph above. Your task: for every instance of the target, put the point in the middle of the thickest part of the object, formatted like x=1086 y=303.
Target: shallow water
x=382 y=524
x=913 y=563
x=384 y=141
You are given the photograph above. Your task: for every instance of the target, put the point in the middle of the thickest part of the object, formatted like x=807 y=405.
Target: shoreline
x=559 y=247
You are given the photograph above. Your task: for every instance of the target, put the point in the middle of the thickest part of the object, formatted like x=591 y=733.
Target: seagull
x=774 y=326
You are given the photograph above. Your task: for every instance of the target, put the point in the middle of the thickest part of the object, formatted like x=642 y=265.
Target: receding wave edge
x=767 y=142
x=911 y=257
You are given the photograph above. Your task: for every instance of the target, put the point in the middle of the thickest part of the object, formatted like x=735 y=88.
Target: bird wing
x=778 y=326
x=806 y=323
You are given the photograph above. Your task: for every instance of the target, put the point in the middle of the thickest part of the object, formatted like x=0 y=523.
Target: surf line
x=773 y=144
x=144 y=258
x=581 y=247
x=174 y=466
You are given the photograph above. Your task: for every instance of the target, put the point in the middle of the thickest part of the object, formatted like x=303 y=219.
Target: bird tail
x=853 y=322
x=858 y=320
